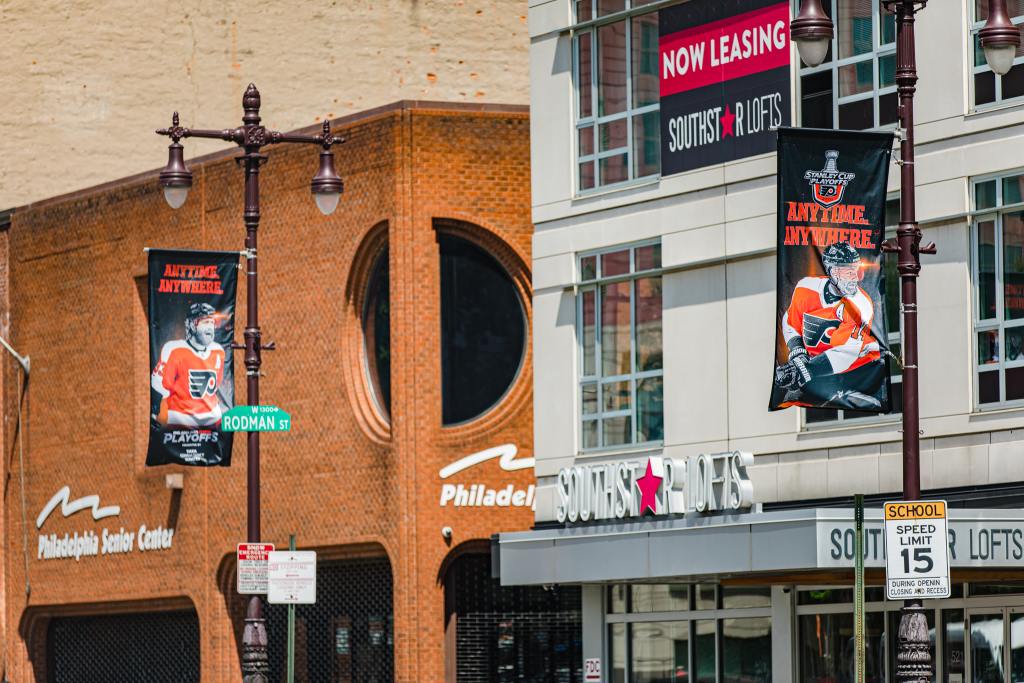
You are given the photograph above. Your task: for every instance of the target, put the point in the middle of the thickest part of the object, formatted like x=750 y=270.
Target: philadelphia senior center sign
x=108 y=540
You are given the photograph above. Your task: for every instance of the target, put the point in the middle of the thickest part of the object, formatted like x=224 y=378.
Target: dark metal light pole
x=913 y=654
x=812 y=31
x=176 y=180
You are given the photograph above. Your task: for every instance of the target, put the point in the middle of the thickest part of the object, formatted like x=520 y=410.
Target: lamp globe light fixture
x=812 y=31
x=1000 y=38
x=175 y=177
x=326 y=185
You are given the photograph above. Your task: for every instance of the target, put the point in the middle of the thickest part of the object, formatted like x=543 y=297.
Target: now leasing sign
x=256 y=419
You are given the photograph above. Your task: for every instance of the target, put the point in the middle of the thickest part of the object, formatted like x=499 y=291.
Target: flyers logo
x=202 y=383
x=829 y=184
x=818 y=331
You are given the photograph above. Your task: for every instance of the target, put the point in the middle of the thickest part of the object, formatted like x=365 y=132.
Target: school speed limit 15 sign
x=916 y=550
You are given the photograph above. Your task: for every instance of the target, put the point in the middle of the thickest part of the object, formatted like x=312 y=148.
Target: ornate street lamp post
x=326 y=186
x=813 y=31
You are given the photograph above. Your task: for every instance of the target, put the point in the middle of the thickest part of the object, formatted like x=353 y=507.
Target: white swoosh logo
x=69 y=508
x=506 y=453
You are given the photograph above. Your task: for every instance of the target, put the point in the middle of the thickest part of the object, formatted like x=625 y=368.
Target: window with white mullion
x=997 y=266
x=986 y=87
x=854 y=88
x=619 y=324
x=616 y=87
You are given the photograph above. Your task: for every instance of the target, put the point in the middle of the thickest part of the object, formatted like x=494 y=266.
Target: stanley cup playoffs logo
x=829 y=183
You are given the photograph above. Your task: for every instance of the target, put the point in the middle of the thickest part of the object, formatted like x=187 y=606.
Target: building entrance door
x=996 y=644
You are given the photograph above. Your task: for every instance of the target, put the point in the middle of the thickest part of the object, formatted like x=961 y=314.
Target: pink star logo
x=728 y=123
x=648 y=485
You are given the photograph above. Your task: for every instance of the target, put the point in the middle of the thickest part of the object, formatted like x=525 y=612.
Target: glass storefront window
x=987 y=648
x=704 y=596
x=739 y=597
x=747 y=650
x=704 y=659
x=617 y=653
x=826 y=647
x=663 y=597
x=1003 y=588
x=953 y=644
x=617 y=598
x=729 y=643
x=661 y=651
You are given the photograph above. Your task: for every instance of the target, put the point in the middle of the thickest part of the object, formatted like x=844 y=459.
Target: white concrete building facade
x=654 y=319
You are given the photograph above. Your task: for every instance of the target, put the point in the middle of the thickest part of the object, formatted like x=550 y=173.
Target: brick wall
x=345 y=480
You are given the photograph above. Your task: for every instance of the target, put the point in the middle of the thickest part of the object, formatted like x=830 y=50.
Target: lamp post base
x=255 y=664
x=913 y=646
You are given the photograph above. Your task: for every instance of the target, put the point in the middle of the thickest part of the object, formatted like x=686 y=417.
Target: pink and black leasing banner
x=724 y=74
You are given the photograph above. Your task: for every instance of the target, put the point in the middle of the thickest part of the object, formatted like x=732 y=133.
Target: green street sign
x=256 y=419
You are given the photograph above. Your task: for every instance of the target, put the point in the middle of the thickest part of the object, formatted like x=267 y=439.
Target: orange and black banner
x=191 y=329
x=831 y=347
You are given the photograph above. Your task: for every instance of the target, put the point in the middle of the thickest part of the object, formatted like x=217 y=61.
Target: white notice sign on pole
x=916 y=550
x=291 y=577
x=252 y=567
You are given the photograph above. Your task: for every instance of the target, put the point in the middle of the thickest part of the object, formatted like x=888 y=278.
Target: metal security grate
x=154 y=646
x=346 y=637
x=514 y=633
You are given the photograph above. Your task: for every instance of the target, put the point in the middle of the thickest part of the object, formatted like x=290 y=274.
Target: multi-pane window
x=616 y=83
x=893 y=325
x=989 y=88
x=998 y=267
x=855 y=87
x=619 y=330
x=681 y=632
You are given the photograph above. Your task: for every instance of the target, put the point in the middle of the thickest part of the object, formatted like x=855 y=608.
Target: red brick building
x=383 y=388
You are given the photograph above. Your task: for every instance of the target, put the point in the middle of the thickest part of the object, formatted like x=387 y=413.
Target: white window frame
x=691 y=616
x=895 y=337
x=976 y=25
x=633 y=377
x=877 y=53
x=998 y=323
x=630 y=113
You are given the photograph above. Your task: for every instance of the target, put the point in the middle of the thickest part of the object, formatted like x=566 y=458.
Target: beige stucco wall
x=84 y=84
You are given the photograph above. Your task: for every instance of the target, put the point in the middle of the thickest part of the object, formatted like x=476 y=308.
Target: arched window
x=483 y=330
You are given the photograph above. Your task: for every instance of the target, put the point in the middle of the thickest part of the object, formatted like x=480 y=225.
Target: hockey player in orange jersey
x=833 y=357
x=190 y=372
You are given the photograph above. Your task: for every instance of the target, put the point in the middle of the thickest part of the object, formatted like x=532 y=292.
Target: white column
x=783 y=634
x=593 y=627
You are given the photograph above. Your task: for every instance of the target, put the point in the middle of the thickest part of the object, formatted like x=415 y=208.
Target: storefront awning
x=695 y=546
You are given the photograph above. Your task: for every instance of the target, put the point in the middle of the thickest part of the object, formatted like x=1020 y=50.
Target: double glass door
x=996 y=645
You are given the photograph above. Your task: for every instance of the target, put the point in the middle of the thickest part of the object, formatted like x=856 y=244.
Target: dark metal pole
x=913 y=656
x=252 y=136
x=255 y=664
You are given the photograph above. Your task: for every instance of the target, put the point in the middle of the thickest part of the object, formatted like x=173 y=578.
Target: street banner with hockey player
x=191 y=329
x=830 y=347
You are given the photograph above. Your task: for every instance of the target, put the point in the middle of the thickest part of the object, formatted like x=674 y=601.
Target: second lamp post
x=812 y=31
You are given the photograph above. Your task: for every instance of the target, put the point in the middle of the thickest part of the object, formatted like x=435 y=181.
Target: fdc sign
x=916 y=550
x=256 y=419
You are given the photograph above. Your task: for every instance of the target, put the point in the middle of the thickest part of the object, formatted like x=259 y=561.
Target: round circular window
x=377 y=333
x=483 y=330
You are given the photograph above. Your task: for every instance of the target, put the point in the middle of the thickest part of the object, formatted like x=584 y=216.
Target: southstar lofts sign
x=664 y=486
x=91 y=542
